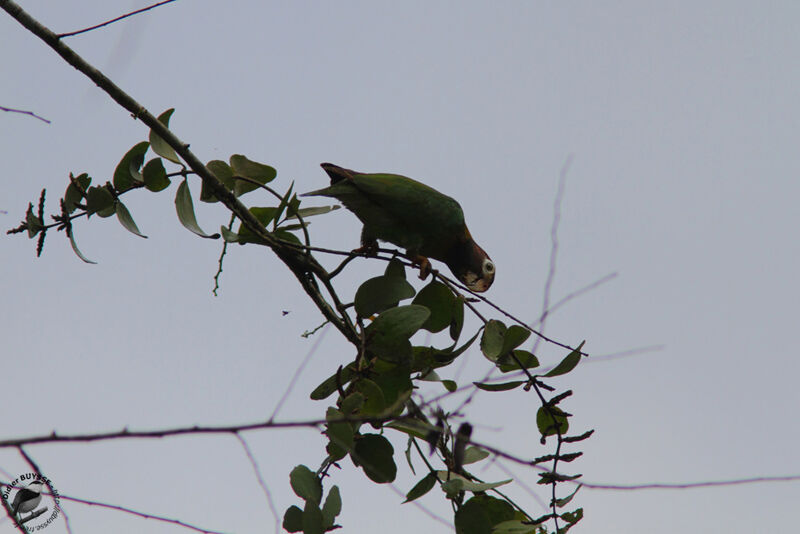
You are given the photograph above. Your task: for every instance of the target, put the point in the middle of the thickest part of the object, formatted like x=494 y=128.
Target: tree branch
x=303 y=266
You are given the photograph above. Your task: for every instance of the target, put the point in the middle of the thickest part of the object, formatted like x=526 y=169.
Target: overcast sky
x=682 y=120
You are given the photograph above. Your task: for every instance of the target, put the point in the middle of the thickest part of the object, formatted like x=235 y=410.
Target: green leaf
x=75 y=194
x=395 y=268
x=283 y=235
x=389 y=333
x=507 y=364
x=395 y=383
x=250 y=169
x=492 y=339
x=155 y=176
x=124 y=217
x=293 y=519
x=98 y=199
x=313 y=521
x=282 y=206
x=469 y=485
x=514 y=337
x=160 y=146
x=573 y=517
x=480 y=513
x=374 y=454
x=417 y=429
x=568 y=363
x=329 y=385
x=426 y=358
x=457 y=321
x=126 y=175
x=185 y=209
x=473 y=455
x=310 y=212
x=421 y=488
x=380 y=293
x=450 y=385
x=499 y=387
x=551 y=421
x=340 y=435
x=77 y=250
x=438 y=298
x=515 y=526
x=332 y=507
x=33 y=223
x=224 y=174
x=306 y=484
x=375 y=402
x=228 y=236
x=566 y=500
x=352 y=403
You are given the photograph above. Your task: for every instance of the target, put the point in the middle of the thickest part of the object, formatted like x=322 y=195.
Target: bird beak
x=476 y=284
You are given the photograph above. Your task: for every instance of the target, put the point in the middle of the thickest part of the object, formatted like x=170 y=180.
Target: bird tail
x=337 y=173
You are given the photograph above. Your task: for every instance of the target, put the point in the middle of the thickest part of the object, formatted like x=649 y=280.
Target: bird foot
x=424 y=264
x=367 y=249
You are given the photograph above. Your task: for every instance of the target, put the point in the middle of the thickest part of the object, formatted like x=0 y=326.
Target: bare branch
x=257 y=472
x=23 y=112
x=690 y=485
x=112 y=21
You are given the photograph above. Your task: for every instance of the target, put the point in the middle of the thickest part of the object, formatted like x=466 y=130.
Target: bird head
x=472 y=266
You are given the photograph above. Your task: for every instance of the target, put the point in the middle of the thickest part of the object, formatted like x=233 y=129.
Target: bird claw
x=424 y=264
x=367 y=249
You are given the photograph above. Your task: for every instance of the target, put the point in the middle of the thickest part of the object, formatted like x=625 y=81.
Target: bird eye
x=488 y=267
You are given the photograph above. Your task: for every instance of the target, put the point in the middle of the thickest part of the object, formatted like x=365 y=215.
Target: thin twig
x=257 y=472
x=296 y=375
x=112 y=21
x=23 y=112
x=551 y=271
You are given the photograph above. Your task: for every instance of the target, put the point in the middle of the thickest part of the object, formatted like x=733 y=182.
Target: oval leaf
x=568 y=363
x=155 y=176
x=77 y=250
x=421 y=488
x=438 y=298
x=469 y=485
x=257 y=172
x=375 y=455
x=499 y=387
x=98 y=199
x=492 y=339
x=127 y=172
x=224 y=174
x=522 y=359
x=551 y=421
x=76 y=190
x=389 y=333
x=124 y=217
x=306 y=484
x=514 y=337
x=160 y=146
x=312 y=519
x=332 y=507
x=379 y=293
x=185 y=209
x=293 y=519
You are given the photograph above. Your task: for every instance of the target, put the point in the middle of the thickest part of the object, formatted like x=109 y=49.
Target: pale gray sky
x=682 y=119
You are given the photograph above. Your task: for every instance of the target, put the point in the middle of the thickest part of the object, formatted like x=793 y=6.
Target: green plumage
x=414 y=216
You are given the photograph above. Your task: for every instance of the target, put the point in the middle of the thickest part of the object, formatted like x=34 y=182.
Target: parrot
x=412 y=215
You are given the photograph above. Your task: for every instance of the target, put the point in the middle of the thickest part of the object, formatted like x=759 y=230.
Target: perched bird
x=412 y=215
x=28 y=498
